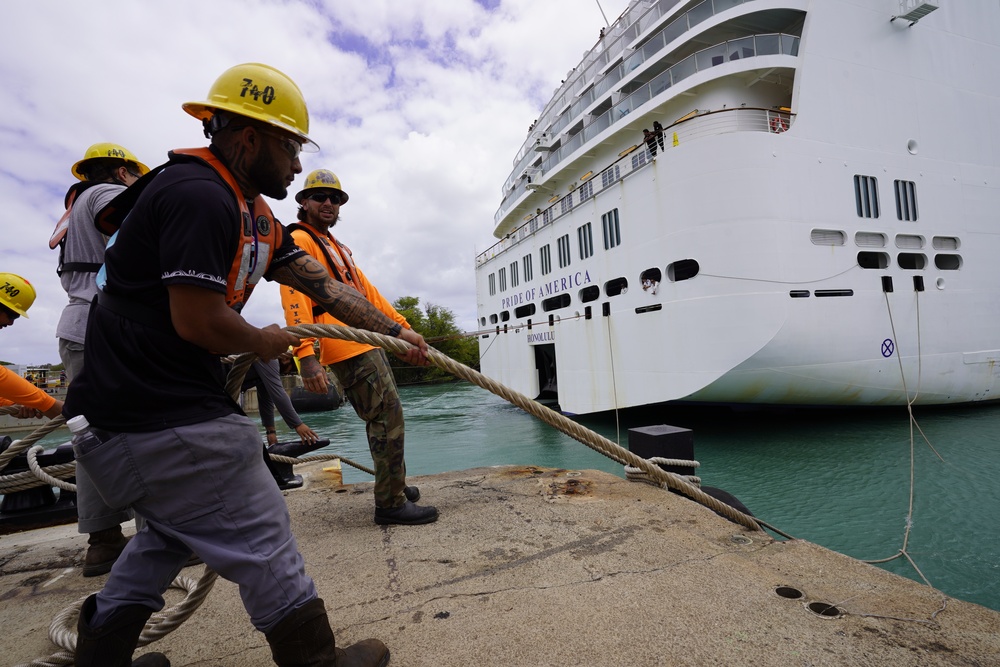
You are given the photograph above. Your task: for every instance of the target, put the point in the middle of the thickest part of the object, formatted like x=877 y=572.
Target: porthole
x=590 y=293
x=682 y=269
x=873 y=260
x=524 y=311
x=616 y=286
x=913 y=261
x=505 y=316
x=948 y=262
x=494 y=319
x=556 y=302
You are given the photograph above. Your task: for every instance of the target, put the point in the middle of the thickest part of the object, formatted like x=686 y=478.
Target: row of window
x=873 y=259
x=683 y=269
x=867 y=203
x=585 y=244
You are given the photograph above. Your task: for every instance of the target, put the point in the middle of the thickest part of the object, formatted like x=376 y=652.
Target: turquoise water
x=838 y=479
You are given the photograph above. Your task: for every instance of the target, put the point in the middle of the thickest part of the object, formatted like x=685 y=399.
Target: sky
x=419 y=108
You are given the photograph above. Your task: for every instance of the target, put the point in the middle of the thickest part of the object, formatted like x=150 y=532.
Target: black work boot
x=105 y=548
x=112 y=644
x=406 y=514
x=303 y=638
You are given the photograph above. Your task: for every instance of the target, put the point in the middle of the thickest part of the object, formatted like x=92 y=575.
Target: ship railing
x=693 y=126
x=728 y=51
x=636 y=21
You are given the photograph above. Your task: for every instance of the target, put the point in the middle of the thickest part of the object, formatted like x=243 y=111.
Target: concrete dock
x=533 y=566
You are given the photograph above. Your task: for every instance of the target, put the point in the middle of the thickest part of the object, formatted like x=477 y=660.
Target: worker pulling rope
x=62 y=630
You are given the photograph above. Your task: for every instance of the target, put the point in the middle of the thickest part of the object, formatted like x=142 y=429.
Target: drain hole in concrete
x=824 y=609
x=788 y=592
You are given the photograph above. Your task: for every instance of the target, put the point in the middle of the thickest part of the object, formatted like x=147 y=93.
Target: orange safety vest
x=259 y=232
x=338 y=258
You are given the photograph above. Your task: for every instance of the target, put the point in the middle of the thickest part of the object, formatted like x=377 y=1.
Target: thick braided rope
x=593 y=440
x=36 y=476
x=62 y=630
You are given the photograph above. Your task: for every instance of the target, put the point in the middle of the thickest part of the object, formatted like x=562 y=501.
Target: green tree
x=437 y=325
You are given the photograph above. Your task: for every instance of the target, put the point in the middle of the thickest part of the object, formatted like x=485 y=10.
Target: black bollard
x=282 y=472
x=38 y=506
x=673 y=442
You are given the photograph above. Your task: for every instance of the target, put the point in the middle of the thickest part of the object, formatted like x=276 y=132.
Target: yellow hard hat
x=260 y=92
x=16 y=293
x=104 y=151
x=321 y=179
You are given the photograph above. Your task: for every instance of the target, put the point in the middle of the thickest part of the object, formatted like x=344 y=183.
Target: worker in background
x=193 y=239
x=16 y=296
x=105 y=170
x=362 y=370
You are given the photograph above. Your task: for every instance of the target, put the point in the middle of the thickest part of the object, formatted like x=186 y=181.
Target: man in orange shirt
x=363 y=370
x=16 y=296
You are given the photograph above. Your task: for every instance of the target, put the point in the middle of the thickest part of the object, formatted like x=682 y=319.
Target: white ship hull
x=780 y=281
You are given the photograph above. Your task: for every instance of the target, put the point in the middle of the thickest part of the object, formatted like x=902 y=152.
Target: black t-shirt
x=139 y=375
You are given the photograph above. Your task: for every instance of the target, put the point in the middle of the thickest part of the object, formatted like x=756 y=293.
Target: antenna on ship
x=602 y=12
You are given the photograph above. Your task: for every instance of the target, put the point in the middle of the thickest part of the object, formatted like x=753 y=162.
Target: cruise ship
x=773 y=202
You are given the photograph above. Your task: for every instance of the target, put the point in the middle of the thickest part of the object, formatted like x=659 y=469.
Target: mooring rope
x=589 y=438
x=62 y=630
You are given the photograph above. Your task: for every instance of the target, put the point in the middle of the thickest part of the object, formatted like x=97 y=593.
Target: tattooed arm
x=345 y=303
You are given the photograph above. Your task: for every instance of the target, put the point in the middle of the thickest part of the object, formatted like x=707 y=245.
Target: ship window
x=906 y=200
x=505 y=316
x=503 y=279
x=638 y=159
x=650 y=280
x=545 y=256
x=799 y=293
x=612 y=230
x=616 y=286
x=555 y=302
x=527 y=268
x=945 y=243
x=493 y=284
x=870 y=240
x=567 y=203
x=610 y=175
x=827 y=237
x=590 y=293
x=513 y=274
x=911 y=260
x=866 y=196
x=563 y=245
x=493 y=319
x=948 y=262
x=524 y=311
x=683 y=269
x=909 y=241
x=482 y=321
x=873 y=260
x=585 y=238
x=586 y=191
x=834 y=292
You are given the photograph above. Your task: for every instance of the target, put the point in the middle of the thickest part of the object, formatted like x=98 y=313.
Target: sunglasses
x=321 y=197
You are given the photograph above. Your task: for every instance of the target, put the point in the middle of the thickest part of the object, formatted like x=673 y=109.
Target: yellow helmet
x=260 y=92
x=16 y=293
x=104 y=151
x=321 y=179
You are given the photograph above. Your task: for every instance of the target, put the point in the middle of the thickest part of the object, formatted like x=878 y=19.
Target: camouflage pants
x=368 y=383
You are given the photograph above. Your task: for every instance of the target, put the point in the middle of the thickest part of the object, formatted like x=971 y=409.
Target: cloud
x=418 y=107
